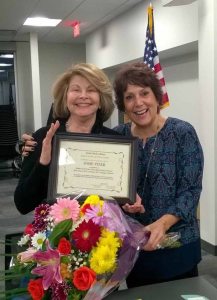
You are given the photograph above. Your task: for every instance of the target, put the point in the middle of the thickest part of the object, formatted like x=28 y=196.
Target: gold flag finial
x=150 y=18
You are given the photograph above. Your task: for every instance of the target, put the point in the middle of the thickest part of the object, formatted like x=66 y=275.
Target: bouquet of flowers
x=74 y=251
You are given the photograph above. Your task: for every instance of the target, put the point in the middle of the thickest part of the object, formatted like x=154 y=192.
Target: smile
x=83 y=104
x=141 y=112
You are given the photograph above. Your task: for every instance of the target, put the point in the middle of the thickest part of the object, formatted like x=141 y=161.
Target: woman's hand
x=157 y=235
x=45 y=157
x=137 y=207
x=29 y=144
x=158 y=231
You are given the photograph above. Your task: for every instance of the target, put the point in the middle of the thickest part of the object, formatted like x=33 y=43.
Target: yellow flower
x=110 y=239
x=93 y=200
x=103 y=259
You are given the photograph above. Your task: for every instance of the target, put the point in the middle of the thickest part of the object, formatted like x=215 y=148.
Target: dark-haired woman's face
x=140 y=105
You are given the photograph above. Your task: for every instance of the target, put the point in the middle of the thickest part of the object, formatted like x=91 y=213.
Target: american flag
x=151 y=57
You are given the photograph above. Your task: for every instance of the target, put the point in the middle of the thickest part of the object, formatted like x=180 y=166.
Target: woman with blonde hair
x=82 y=102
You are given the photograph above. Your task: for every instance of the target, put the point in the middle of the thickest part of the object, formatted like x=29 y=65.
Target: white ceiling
x=91 y=13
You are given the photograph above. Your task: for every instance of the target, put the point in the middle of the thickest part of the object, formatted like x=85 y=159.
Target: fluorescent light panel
x=5 y=65
x=43 y=22
x=7 y=55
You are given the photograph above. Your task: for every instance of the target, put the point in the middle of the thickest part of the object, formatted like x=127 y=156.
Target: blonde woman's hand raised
x=45 y=157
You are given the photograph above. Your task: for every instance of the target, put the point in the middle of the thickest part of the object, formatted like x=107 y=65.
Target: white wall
x=181 y=74
x=123 y=39
x=54 y=59
x=24 y=88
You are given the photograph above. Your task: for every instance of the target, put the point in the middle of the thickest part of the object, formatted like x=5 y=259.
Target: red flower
x=83 y=278
x=86 y=235
x=29 y=230
x=64 y=246
x=35 y=289
x=84 y=208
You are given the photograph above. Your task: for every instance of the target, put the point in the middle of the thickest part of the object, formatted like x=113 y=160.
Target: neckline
x=153 y=136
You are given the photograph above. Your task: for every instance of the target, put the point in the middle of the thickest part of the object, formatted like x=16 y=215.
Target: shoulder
x=123 y=129
x=109 y=131
x=185 y=135
x=180 y=127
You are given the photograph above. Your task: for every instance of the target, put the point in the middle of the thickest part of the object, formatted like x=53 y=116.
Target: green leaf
x=60 y=230
x=8 y=255
x=47 y=296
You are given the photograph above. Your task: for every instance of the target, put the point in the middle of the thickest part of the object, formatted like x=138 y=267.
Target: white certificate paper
x=104 y=165
x=94 y=167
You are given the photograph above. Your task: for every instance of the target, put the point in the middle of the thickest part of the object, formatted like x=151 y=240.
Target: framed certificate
x=103 y=165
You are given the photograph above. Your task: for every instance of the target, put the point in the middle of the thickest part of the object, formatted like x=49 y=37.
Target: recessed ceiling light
x=5 y=65
x=2 y=70
x=39 y=21
x=7 y=55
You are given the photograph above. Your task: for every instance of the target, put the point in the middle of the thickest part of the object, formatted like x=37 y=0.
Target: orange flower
x=65 y=273
x=83 y=278
x=35 y=289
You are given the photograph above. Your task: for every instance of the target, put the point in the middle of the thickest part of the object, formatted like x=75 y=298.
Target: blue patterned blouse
x=170 y=169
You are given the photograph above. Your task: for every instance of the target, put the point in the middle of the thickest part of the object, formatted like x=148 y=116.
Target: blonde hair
x=96 y=77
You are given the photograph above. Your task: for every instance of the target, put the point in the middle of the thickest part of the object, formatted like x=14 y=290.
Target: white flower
x=38 y=239
x=24 y=240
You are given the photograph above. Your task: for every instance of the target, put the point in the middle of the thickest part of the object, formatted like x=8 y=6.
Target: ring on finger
x=158 y=246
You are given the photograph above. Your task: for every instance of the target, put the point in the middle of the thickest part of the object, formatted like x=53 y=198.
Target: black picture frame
x=105 y=165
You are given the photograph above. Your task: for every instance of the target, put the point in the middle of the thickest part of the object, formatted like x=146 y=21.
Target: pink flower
x=49 y=268
x=27 y=255
x=98 y=214
x=64 y=209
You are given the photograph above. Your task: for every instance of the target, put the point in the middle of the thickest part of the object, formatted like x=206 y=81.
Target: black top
x=33 y=183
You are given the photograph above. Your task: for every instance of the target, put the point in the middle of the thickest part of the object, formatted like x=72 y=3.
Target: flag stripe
x=151 y=57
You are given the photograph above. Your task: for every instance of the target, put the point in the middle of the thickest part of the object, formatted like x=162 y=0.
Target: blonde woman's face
x=83 y=99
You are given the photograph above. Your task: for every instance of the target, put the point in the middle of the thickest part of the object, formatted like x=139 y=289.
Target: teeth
x=83 y=104
x=141 y=112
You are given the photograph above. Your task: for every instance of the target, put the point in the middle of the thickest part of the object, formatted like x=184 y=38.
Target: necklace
x=67 y=125
x=149 y=162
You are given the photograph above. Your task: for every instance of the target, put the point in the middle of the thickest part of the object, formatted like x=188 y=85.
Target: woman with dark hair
x=170 y=169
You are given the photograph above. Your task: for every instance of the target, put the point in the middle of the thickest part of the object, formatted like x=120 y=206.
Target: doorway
x=8 y=116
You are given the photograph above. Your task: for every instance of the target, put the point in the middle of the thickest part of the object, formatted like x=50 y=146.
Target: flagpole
x=150 y=18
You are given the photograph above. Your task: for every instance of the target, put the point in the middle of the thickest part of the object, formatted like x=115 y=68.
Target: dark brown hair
x=136 y=74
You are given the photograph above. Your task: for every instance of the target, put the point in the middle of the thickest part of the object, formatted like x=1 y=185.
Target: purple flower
x=59 y=291
x=40 y=214
x=98 y=214
x=49 y=266
x=41 y=211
